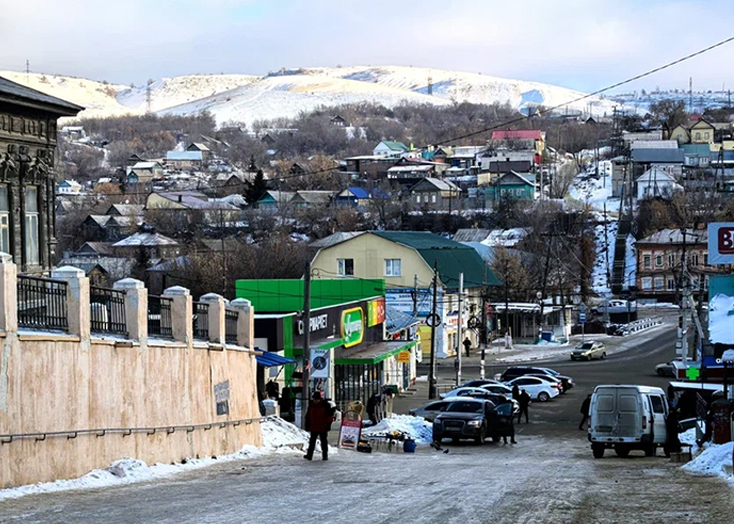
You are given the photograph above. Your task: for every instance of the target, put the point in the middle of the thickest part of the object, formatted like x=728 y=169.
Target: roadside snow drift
x=417 y=428
x=712 y=461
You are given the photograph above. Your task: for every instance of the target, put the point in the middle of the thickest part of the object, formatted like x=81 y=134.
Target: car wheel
x=588 y=358
x=660 y=372
x=597 y=450
x=621 y=451
x=543 y=396
x=603 y=356
x=482 y=435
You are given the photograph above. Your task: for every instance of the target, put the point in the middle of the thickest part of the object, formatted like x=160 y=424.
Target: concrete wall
x=53 y=382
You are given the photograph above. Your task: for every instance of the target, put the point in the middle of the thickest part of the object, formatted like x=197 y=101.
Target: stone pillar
x=217 y=305
x=8 y=293
x=136 y=308
x=77 y=299
x=245 y=322
x=181 y=313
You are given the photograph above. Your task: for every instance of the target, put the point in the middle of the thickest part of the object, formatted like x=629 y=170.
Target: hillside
x=247 y=98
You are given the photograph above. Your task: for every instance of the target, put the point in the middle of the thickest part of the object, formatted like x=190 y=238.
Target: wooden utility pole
x=306 y=319
x=434 y=323
x=460 y=330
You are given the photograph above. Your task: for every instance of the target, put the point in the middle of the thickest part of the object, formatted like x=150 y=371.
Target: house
x=183 y=160
x=155 y=245
x=206 y=153
x=702 y=132
x=275 y=200
x=656 y=182
x=520 y=139
x=310 y=199
x=109 y=228
x=435 y=194
x=497 y=162
x=359 y=197
x=126 y=210
x=390 y=149
x=646 y=154
x=660 y=260
x=509 y=238
x=69 y=187
x=28 y=123
x=680 y=134
x=367 y=167
x=406 y=260
x=339 y=121
x=513 y=186
x=98 y=275
x=696 y=155
x=73 y=132
x=151 y=167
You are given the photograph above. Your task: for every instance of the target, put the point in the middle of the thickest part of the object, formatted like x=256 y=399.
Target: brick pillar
x=8 y=293
x=245 y=322
x=136 y=308
x=181 y=313
x=217 y=305
x=77 y=299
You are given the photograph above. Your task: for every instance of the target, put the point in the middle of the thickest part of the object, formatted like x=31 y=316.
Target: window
x=671 y=260
x=646 y=261
x=705 y=259
x=417 y=199
x=4 y=220
x=433 y=199
x=31 y=225
x=671 y=284
x=657 y=404
x=659 y=283
x=345 y=267
x=698 y=135
x=658 y=260
x=706 y=135
x=392 y=267
x=694 y=259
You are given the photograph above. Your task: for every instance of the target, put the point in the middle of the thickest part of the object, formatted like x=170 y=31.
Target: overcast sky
x=582 y=44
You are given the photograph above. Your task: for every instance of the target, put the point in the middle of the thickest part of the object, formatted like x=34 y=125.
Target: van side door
x=658 y=415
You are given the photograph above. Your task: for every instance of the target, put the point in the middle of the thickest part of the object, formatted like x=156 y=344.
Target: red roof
x=520 y=134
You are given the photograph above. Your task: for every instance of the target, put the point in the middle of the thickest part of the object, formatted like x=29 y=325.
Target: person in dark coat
x=585 y=406
x=524 y=400
x=672 y=444
x=515 y=392
x=372 y=404
x=272 y=389
x=467 y=346
x=318 y=423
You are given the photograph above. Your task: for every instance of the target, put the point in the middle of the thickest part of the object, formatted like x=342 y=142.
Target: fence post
x=136 y=308
x=245 y=322
x=181 y=313
x=8 y=294
x=77 y=300
x=217 y=305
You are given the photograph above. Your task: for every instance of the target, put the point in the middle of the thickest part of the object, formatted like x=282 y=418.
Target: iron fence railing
x=201 y=320
x=42 y=303
x=159 y=316
x=230 y=325
x=107 y=310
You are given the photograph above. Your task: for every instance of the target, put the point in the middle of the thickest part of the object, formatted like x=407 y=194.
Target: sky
x=581 y=44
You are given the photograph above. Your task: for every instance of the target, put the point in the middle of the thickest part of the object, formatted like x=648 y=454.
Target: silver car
x=589 y=350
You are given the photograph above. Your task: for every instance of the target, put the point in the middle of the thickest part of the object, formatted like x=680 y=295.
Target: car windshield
x=465 y=407
x=551 y=372
x=586 y=345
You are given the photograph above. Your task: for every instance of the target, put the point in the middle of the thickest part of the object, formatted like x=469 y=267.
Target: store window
x=4 y=220
x=345 y=267
x=31 y=225
x=392 y=267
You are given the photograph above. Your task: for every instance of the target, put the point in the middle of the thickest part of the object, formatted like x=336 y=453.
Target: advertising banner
x=352 y=326
x=404 y=357
x=375 y=312
x=721 y=243
x=320 y=365
x=721 y=309
x=350 y=430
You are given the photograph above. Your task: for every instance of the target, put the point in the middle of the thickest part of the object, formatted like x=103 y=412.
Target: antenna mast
x=148 y=95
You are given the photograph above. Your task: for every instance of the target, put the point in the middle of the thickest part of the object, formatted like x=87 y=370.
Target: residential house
x=339 y=121
x=661 y=153
x=206 y=153
x=98 y=275
x=520 y=139
x=509 y=238
x=110 y=228
x=435 y=194
x=155 y=245
x=185 y=160
x=696 y=155
x=115 y=265
x=311 y=199
x=359 y=197
x=680 y=134
x=497 y=162
x=275 y=200
x=656 y=182
x=513 y=186
x=144 y=172
x=69 y=187
x=73 y=132
x=126 y=210
x=633 y=136
x=406 y=260
x=390 y=149
x=368 y=167
x=700 y=132
x=660 y=259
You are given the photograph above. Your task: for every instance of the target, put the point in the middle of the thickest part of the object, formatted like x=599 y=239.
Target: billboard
x=721 y=309
x=352 y=326
x=376 y=312
x=721 y=243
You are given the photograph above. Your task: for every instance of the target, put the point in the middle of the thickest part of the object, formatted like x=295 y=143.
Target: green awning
x=376 y=353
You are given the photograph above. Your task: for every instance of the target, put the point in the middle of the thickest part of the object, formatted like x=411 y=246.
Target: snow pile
x=712 y=461
x=689 y=437
x=599 y=281
x=417 y=428
x=279 y=437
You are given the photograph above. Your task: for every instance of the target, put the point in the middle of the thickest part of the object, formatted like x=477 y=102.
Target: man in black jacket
x=524 y=400
x=585 y=411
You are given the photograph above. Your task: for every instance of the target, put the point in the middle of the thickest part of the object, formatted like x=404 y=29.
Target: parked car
x=549 y=378
x=431 y=410
x=483 y=393
x=627 y=418
x=669 y=369
x=498 y=388
x=463 y=391
x=614 y=306
x=519 y=371
x=537 y=388
x=481 y=382
x=566 y=380
x=474 y=419
x=589 y=350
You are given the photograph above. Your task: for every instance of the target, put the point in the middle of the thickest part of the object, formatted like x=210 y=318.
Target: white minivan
x=627 y=418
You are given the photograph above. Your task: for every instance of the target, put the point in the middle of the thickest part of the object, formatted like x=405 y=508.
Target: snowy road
x=539 y=480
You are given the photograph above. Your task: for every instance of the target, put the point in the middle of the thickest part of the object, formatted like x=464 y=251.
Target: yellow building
x=680 y=134
x=702 y=133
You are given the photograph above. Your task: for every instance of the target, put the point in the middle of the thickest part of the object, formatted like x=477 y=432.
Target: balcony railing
x=42 y=303
x=230 y=325
x=201 y=320
x=159 y=316
x=107 y=311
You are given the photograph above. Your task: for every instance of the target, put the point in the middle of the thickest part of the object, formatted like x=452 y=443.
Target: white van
x=627 y=418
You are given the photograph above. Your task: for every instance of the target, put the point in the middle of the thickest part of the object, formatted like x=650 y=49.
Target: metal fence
x=42 y=303
x=107 y=310
x=230 y=325
x=201 y=320
x=159 y=316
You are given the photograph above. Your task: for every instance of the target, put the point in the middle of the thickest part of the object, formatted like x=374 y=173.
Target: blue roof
x=359 y=192
x=183 y=155
x=268 y=360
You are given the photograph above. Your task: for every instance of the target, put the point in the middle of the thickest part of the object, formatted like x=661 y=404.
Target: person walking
x=318 y=423
x=585 y=405
x=524 y=400
x=467 y=346
x=515 y=392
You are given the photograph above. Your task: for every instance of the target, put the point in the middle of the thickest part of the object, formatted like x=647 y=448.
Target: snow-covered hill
x=247 y=98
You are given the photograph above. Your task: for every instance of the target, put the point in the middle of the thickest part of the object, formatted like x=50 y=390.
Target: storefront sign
x=404 y=357
x=352 y=326
x=350 y=430
x=721 y=243
x=317 y=323
x=221 y=397
x=320 y=363
x=375 y=312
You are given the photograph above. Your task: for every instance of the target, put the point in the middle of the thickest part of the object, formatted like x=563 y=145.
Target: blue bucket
x=409 y=446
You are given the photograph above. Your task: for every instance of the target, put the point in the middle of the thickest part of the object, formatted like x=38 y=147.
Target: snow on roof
x=654 y=144
x=410 y=169
x=314 y=197
x=675 y=236
x=518 y=134
x=335 y=238
x=656 y=175
x=145 y=165
x=178 y=156
x=200 y=146
x=441 y=185
x=146 y=239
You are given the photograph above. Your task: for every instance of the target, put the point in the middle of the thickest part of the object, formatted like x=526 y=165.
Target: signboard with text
x=352 y=326
x=404 y=357
x=721 y=243
x=320 y=364
x=350 y=430
x=376 y=312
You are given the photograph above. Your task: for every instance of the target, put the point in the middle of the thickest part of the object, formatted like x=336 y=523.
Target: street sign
x=433 y=320
x=582 y=317
x=404 y=357
x=320 y=365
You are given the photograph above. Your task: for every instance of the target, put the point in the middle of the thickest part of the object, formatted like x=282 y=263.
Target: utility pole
x=224 y=254
x=459 y=330
x=415 y=295
x=433 y=325
x=507 y=298
x=306 y=319
x=27 y=71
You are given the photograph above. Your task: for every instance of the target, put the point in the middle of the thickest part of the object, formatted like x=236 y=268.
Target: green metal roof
x=395 y=146
x=451 y=258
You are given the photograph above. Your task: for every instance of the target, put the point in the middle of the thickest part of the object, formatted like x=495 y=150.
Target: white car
x=538 y=388
x=500 y=388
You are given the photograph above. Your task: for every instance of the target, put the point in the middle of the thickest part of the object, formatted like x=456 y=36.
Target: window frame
x=390 y=267
x=658 y=260
x=5 y=220
x=31 y=228
x=646 y=261
x=341 y=267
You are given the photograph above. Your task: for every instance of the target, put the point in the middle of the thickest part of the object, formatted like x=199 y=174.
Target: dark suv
x=474 y=419
x=521 y=371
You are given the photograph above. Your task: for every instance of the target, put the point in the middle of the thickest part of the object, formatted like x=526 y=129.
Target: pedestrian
x=672 y=429
x=372 y=404
x=318 y=421
x=516 y=392
x=467 y=346
x=512 y=430
x=585 y=405
x=272 y=389
x=524 y=401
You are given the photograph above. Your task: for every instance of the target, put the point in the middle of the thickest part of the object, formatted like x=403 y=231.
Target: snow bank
x=279 y=436
x=417 y=428
x=712 y=461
